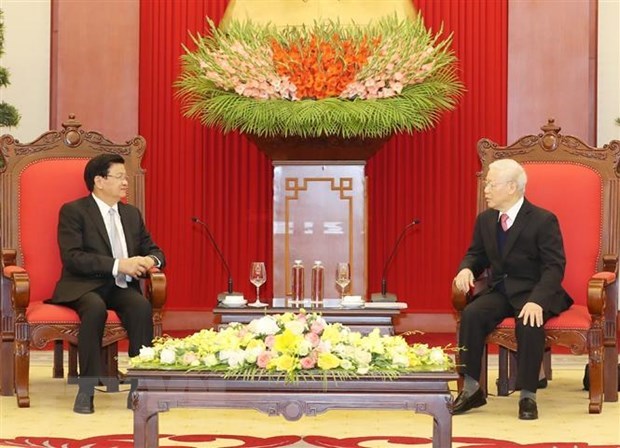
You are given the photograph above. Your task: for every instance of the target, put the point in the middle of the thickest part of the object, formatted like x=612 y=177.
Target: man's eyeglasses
x=120 y=176
x=493 y=184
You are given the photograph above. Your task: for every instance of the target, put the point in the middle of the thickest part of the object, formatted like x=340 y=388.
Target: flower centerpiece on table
x=293 y=346
x=325 y=80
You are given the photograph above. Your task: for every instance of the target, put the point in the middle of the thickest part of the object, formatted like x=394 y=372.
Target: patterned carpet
x=563 y=423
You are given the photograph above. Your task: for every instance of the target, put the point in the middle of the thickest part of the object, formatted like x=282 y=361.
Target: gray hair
x=511 y=171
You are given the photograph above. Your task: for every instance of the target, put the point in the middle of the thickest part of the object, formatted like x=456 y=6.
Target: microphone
x=221 y=296
x=385 y=296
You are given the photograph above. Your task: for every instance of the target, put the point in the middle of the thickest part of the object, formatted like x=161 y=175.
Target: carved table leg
x=145 y=422
x=438 y=406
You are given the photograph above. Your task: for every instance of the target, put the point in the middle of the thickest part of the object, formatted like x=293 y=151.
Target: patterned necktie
x=503 y=219
x=117 y=248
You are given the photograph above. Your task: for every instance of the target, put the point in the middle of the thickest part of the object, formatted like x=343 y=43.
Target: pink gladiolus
x=269 y=340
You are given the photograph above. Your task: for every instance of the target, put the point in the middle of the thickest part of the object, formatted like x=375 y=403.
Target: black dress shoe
x=84 y=403
x=528 y=409
x=464 y=401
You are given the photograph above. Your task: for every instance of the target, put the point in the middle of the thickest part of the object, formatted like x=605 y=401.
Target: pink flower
x=269 y=340
x=308 y=362
x=317 y=327
x=313 y=339
x=263 y=359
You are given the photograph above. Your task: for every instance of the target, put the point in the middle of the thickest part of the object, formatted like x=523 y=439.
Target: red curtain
x=227 y=182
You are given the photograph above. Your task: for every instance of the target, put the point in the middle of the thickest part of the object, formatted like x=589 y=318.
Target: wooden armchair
x=581 y=185
x=36 y=179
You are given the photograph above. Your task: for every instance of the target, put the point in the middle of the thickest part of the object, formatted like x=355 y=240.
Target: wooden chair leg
x=7 y=372
x=505 y=371
x=484 y=371
x=547 y=364
x=22 y=368
x=513 y=369
x=58 y=370
x=72 y=375
x=110 y=367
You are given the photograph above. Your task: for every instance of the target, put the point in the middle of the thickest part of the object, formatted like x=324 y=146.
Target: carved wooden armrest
x=460 y=299
x=9 y=258
x=155 y=288
x=19 y=281
x=603 y=284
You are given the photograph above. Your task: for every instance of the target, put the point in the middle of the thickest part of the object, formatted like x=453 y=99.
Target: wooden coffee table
x=160 y=390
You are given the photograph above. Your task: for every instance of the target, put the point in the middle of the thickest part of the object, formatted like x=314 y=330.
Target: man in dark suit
x=105 y=248
x=522 y=245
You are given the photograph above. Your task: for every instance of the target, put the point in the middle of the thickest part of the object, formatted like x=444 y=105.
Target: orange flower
x=321 y=67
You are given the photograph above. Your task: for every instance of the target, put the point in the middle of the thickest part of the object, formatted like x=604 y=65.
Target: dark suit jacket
x=85 y=247
x=532 y=263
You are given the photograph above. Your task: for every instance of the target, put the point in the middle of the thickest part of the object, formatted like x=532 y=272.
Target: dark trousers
x=135 y=313
x=480 y=317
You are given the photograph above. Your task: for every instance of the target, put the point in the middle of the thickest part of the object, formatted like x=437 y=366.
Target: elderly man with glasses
x=522 y=246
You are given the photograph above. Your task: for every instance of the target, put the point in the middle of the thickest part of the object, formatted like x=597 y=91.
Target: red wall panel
x=226 y=181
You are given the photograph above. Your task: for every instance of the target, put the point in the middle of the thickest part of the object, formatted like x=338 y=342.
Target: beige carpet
x=564 y=421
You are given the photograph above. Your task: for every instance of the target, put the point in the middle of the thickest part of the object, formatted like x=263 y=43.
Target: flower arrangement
x=325 y=80
x=293 y=346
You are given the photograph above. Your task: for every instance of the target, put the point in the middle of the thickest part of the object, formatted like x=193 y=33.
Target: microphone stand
x=385 y=296
x=221 y=296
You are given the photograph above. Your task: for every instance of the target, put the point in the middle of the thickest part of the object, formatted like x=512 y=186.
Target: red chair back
x=43 y=187
x=574 y=193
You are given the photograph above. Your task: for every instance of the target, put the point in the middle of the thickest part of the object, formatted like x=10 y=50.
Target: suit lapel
x=492 y=230
x=516 y=228
x=95 y=215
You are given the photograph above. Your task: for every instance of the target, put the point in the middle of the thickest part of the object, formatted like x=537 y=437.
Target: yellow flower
x=328 y=361
x=287 y=342
x=331 y=333
x=284 y=363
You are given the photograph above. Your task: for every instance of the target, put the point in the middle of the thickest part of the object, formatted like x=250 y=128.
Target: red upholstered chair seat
x=44 y=312
x=576 y=317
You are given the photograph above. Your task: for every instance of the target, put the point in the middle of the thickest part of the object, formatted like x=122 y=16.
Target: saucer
x=352 y=304
x=234 y=305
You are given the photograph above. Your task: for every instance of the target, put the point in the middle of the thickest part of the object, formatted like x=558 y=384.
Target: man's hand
x=464 y=280
x=135 y=266
x=532 y=313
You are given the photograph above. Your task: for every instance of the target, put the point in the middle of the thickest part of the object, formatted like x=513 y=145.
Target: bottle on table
x=297 y=297
x=318 y=275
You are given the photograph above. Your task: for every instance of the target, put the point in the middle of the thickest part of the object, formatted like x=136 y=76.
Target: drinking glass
x=258 y=276
x=343 y=277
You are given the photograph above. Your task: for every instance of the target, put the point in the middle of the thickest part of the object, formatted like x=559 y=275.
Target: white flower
x=266 y=325
x=210 y=360
x=296 y=326
x=436 y=356
x=167 y=356
x=362 y=356
x=234 y=358
x=400 y=360
x=147 y=354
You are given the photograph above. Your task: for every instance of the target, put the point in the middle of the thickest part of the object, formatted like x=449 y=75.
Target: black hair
x=99 y=166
